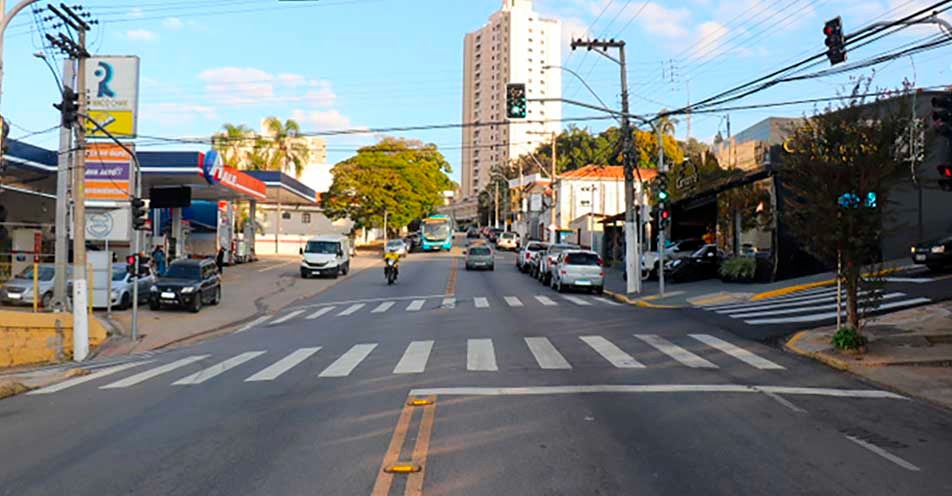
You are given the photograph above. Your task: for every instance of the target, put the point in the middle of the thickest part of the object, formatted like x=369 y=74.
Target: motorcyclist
x=395 y=257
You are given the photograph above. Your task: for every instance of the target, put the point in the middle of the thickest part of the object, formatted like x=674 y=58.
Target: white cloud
x=572 y=28
x=173 y=23
x=167 y=114
x=660 y=20
x=710 y=40
x=136 y=13
x=141 y=35
x=251 y=86
x=321 y=120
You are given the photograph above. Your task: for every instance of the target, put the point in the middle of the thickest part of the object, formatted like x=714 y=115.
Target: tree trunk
x=852 y=283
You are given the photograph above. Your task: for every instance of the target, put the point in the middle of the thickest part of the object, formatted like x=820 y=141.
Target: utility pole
x=64 y=163
x=662 y=169
x=496 y=210
x=632 y=203
x=552 y=227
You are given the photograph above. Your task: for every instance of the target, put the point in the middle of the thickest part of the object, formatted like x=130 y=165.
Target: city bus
x=437 y=233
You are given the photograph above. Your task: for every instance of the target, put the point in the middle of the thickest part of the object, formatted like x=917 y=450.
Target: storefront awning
x=282 y=188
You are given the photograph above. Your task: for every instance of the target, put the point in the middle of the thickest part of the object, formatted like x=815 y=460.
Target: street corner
x=655 y=301
x=816 y=345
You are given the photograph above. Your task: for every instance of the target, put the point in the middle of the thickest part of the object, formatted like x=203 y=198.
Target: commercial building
x=515 y=46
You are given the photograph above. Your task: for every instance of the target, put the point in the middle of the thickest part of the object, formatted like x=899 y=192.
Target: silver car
x=480 y=257
x=19 y=290
x=581 y=269
x=397 y=246
x=122 y=286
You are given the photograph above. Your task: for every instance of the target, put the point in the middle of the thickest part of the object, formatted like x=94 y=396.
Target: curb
x=639 y=303
x=836 y=363
x=810 y=285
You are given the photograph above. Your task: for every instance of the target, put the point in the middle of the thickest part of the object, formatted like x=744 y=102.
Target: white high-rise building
x=513 y=47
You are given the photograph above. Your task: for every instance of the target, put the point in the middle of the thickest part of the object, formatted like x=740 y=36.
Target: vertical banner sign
x=37 y=246
x=108 y=172
x=112 y=98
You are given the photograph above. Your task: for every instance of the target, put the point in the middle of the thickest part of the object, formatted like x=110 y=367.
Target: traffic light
x=662 y=187
x=516 y=101
x=942 y=114
x=139 y=214
x=835 y=41
x=69 y=107
x=131 y=264
x=945 y=181
x=664 y=214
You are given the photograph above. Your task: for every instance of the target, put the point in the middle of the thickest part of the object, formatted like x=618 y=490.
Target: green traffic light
x=662 y=195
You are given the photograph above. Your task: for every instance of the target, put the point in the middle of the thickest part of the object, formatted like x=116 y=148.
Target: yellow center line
x=385 y=479
x=420 y=449
x=451 y=280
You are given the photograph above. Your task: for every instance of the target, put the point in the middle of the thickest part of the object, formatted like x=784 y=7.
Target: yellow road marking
x=384 y=478
x=451 y=279
x=420 y=449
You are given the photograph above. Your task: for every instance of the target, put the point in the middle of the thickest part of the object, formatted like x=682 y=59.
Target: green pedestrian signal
x=516 y=101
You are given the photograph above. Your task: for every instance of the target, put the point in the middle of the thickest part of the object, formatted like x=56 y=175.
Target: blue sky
x=344 y=64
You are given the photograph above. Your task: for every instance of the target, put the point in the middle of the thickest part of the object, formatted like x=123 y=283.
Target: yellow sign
x=117 y=122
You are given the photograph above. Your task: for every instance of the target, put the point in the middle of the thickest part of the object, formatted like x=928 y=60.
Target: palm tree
x=285 y=150
x=232 y=144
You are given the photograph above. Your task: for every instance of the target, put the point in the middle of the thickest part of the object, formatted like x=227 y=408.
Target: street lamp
x=4 y=23
x=42 y=56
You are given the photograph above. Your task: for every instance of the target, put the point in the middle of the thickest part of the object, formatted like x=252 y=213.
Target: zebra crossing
x=814 y=306
x=258 y=366
x=427 y=303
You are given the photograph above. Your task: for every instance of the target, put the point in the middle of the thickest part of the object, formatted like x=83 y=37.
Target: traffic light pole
x=80 y=315
x=662 y=169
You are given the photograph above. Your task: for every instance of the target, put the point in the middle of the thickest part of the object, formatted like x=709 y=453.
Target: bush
x=847 y=338
x=738 y=269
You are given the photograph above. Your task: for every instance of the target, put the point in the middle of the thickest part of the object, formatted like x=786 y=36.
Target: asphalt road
x=532 y=394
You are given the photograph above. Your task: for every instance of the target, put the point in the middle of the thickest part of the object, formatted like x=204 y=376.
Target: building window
x=306 y=218
x=286 y=215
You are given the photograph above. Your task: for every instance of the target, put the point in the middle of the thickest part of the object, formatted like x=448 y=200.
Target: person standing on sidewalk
x=158 y=256
x=220 y=260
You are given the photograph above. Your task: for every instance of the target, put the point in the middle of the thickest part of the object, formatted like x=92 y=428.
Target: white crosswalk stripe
x=347 y=362
x=832 y=315
x=351 y=309
x=607 y=301
x=217 y=369
x=283 y=365
x=786 y=311
x=286 y=317
x=480 y=355
x=612 y=353
x=154 y=372
x=676 y=352
x=87 y=378
x=545 y=300
x=577 y=300
x=513 y=301
x=448 y=303
x=383 y=307
x=810 y=293
x=769 y=305
x=546 y=355
x=320 y=312
x=481 y=302
x=737 y=352
x=414 y=358
x=415 y=305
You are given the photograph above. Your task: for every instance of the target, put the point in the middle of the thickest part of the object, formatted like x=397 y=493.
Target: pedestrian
x=220 y=260
x=158 y=257
x=709 y=237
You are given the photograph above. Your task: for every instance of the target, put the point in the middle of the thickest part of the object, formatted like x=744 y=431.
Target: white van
x=327 y=255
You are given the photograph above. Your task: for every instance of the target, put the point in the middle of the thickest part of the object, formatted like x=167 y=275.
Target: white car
x=397 y=246
x=581 y=269
x=676 y=250
x=507 y=241
x=548 y=258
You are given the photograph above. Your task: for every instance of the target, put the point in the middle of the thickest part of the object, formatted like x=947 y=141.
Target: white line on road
x=481 y=302
x=832 y=315
x=347 y=362
x=383 y=307
x=576 y=300
x=612 y=353
x=608 y=302
x=513 y=301
x=414 y=358
x=320 y=312
x=785 y=402
x=283 y=365
x=737 y=352
x=351 y=309
x=217 y=369
x=545 y=300
x=415 y=305
x=909 y=279
x=785 y=311
x=369 y=300
x=885 y=454
x=480 y=355
x=783 y=304
x=148 y=374
x=676 y=352
x=286 y=317
x=449 y=303
x=86 y=378
x=813 y=293
x=650 y=388
x=546 y=355
x=253 y=323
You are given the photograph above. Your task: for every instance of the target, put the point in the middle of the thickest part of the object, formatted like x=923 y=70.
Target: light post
x=4 y=23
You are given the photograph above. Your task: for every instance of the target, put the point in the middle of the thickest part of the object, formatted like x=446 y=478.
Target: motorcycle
x=390 y=271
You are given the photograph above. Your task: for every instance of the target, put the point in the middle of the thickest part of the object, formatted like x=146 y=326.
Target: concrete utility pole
x=64 y=162
x=552 y=179
x=496 y=210
x=662 y=169
x=4 y=23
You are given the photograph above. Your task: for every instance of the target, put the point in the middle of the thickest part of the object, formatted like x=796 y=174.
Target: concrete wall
x=34 y=338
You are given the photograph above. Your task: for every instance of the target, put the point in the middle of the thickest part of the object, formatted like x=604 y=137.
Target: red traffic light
x=665 y=215
x=131 y=259
x=945 y=170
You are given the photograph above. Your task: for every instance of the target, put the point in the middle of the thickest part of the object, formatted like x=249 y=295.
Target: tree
x=838 y=158
x=404 y=178
x=233 y=144
x=281 y=148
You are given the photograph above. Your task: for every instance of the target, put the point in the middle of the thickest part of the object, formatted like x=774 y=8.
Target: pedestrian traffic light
x=131 y=264
x=835 y=41
x=69 y=107
x=945 y=174
x=516 y=100
x=139 y=214
x=942 y=114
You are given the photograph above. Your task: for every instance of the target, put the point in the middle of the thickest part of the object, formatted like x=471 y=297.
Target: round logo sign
x=99 y=224
x=213 y=167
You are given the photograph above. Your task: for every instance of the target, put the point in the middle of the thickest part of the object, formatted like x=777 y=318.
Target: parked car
x=397 y=246
x=122 y=285
x=580 y=269
x=326 y=255
x=702 y=264
x=525 y=254
x=413 y=240
x=935 y=254
x=507 y=241
x=472 y=233
x=675 y=250
x=19 y=290
x=548 y=258
x=480 y=257
x=187 y=283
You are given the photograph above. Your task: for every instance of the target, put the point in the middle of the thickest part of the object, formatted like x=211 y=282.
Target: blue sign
x=212 y=167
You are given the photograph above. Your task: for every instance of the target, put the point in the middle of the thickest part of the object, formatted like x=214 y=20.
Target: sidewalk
x=909 y=351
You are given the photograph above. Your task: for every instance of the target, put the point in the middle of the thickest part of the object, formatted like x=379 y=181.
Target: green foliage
x=738 y=268
x=281 y=148
x=848 y=338
x=405 y=178
x=232 y=142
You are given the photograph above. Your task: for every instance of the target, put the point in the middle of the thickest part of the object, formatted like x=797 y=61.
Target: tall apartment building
x=514 y=47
